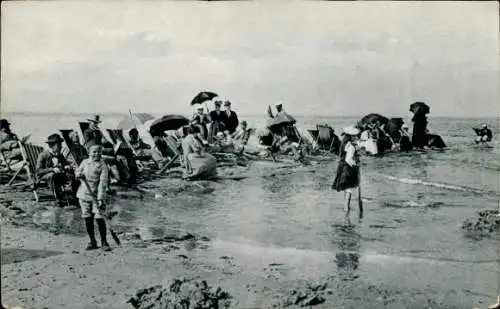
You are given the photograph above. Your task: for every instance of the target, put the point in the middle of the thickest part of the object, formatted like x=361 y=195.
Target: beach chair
x=8 y=165
x=30 y=153
x=68 y=149
x=175 y=148
x=5 y=164
x=119 y=140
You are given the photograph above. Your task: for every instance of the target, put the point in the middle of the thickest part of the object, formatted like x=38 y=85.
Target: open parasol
x=134 y=120
x=168 y=122
x=420 y=108
x=203 y=96
x=280 y=120
x=372 y=118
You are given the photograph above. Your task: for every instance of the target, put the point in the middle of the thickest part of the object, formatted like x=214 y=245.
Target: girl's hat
x=351 y=131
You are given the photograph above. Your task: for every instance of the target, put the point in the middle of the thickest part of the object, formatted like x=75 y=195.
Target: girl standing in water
x=348 y=176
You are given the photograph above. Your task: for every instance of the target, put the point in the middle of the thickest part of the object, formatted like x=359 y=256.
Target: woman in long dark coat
x=348 y=176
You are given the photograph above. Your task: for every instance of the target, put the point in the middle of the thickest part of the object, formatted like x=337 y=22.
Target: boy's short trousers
x=89 y=208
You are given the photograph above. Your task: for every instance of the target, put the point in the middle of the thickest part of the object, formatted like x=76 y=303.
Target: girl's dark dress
x=347 y=176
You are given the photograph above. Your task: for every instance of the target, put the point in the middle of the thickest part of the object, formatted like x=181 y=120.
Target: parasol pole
x=132 y=118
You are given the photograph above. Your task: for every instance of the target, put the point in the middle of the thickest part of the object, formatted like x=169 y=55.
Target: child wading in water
x=94 y=172
x=348 y=176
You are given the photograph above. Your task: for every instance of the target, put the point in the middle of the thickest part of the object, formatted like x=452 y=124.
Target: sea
x=410 y=235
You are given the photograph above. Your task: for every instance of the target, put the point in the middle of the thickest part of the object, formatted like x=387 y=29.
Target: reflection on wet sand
x=346 y=237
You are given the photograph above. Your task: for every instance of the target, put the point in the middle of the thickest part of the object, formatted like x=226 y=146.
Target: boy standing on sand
x=91 y=194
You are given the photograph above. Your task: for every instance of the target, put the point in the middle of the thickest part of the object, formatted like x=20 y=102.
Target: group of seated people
x=56 y=165
x=216 y=121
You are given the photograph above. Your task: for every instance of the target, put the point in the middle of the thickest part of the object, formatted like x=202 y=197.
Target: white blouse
x=350 y=150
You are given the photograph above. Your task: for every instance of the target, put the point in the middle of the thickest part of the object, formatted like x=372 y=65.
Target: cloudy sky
x=316 y=57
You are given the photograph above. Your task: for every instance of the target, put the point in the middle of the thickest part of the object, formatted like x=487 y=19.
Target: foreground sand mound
x=182 y=294
x=486 y=222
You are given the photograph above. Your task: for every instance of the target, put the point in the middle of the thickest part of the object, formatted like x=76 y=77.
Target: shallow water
x=410 y=236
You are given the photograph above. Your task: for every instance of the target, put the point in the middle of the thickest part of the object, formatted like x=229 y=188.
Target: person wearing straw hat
x=93 y=134
x=53 y=167
x=347 y=178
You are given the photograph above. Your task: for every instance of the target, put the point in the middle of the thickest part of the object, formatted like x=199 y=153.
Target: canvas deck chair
x=119 y=140
x=10 y=165
x=30 y=153
x=5 y=164
x=67 y=149
x=174 y=148
x=84 y=126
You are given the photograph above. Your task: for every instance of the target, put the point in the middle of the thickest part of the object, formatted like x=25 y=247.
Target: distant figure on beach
x=54 y=168
x=231 y=121
x=405 y=140
x=347 y=178
x=8 y=141
x=419 y=137
x=218 y=121
x=202 y=120
x=94 y=172
x=93 y=134
x=484 y=134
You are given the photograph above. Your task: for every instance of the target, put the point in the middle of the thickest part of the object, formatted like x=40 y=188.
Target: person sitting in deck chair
x=241 y=132
x=9 y=141
x=202 y=120
x=52 y=167
x=79 y=153
x=284 y=145
x=93 y=134
x=142 y=150
x=122 y=158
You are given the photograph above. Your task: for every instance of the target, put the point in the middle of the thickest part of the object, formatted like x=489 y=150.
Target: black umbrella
x=203 y=96
x=168 y=122
x=372 y=118
x=420 y=108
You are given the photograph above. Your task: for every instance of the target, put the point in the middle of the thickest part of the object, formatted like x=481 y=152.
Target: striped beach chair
x=30 y=153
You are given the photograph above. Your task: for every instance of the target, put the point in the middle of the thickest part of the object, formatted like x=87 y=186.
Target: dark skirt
x=347 y=177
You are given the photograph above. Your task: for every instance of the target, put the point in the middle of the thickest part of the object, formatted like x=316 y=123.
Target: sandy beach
x=45 y=265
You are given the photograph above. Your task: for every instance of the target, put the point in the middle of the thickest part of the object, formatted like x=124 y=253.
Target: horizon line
x=239 y=114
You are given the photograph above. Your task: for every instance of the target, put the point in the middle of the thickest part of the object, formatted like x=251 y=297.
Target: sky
x=317 y=58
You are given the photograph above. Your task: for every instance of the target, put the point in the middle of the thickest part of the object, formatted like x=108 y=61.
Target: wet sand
x=45 y=265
